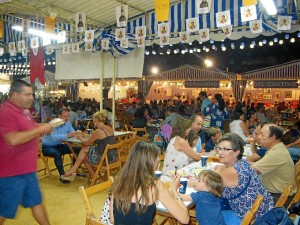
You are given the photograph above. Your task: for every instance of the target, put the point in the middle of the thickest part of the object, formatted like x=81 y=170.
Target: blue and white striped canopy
x=179 y=12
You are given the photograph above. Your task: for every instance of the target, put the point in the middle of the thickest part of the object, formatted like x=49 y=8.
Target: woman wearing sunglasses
x=241 y=183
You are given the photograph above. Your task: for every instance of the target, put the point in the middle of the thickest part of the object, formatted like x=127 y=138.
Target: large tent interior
x=129 y=62
x=105 y=60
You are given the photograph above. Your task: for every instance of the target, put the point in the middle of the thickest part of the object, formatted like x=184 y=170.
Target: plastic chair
x=251 y=214
x=85 y=193
x=284 y=196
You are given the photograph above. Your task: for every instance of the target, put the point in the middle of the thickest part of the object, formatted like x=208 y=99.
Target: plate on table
x=189 y=173
x=56 y=122
x=182 y=173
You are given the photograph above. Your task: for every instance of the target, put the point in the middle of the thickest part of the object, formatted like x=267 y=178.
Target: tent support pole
x=113 y=94
x=101 y=80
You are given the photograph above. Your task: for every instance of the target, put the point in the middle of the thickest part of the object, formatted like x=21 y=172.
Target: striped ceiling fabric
x=101 y=17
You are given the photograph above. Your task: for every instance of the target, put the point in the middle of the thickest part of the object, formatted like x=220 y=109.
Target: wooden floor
x=62 y=201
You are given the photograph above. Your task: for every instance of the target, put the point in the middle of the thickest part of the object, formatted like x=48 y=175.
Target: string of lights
x=20 y=65
x=224 y=45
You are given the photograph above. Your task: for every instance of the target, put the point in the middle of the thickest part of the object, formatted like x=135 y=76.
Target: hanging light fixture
x=269 y=6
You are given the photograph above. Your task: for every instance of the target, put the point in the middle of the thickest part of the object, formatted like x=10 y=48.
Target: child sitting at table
x=192 y=139
x=214 y=134
x=209 y=187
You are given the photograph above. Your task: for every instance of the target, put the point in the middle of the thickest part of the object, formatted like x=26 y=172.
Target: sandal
x=68 y=178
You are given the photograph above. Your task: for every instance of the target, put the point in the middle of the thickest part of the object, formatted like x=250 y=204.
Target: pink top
x=18 y=159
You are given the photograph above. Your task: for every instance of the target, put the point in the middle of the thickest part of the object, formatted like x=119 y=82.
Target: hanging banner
x=249 y=2
x=1 y=28
x=275 y=84
x=162 y=9
x=203 y=84
x=49 y=24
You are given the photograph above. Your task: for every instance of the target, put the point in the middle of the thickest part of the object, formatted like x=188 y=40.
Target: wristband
x=42 y=130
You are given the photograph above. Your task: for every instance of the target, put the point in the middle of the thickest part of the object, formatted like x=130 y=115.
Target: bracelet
x=42 y=130
x=178 y=198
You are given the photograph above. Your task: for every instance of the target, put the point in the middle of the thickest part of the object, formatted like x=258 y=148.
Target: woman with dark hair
x=238 y=125
x=136 y=189
x=217 y=111
x=251 y=122
x=241 y=183
x=179 y=152
x=139 y=120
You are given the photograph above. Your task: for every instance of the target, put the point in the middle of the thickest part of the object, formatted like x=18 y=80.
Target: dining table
x=190 y=171
x=75 y=142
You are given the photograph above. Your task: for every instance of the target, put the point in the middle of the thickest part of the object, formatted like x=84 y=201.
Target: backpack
x=160 y=140
x=166 y=131
x=275 y=216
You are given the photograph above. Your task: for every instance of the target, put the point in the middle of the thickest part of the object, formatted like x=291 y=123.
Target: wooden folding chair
x=297 y=174
x=125 y=149
x=128 y=127
x=295 y=199
x=45 y=160
x=142 y=138
x=251 y=214
x=85 y=193
x=46 y=169
x=104 y=164
x=139 y=130
x=193 y=220
x=284 y=196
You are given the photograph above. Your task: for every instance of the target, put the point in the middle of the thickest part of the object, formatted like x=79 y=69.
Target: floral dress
x=250 y=186
x=174 y=158
x=217 y=116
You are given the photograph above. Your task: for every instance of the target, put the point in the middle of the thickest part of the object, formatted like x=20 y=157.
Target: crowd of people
x=196 y=130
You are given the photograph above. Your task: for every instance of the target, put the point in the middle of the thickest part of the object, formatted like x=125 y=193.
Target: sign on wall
x=204 y=84
x=275 y=84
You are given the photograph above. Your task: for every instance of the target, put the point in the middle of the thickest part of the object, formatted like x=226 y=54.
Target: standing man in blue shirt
x=52 y=146
x=205 y=100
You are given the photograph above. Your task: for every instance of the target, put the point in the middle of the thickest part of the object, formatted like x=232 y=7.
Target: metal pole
x=114 y=94
x=101 y=80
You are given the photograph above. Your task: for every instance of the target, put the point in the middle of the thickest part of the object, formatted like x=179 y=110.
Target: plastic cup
x=167 y=184
x=204 y=160
x=183 y=184
x=157 y=173
x=88 y=131
x=216 y=159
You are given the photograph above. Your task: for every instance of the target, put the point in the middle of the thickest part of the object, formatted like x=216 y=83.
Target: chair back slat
x=85 y=193
x=295 y=199
x=104 y=163
x=284 y=196
x=297 y=173
x=251 y=214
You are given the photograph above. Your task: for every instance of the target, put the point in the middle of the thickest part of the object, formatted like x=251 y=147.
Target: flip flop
x=69 y=178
